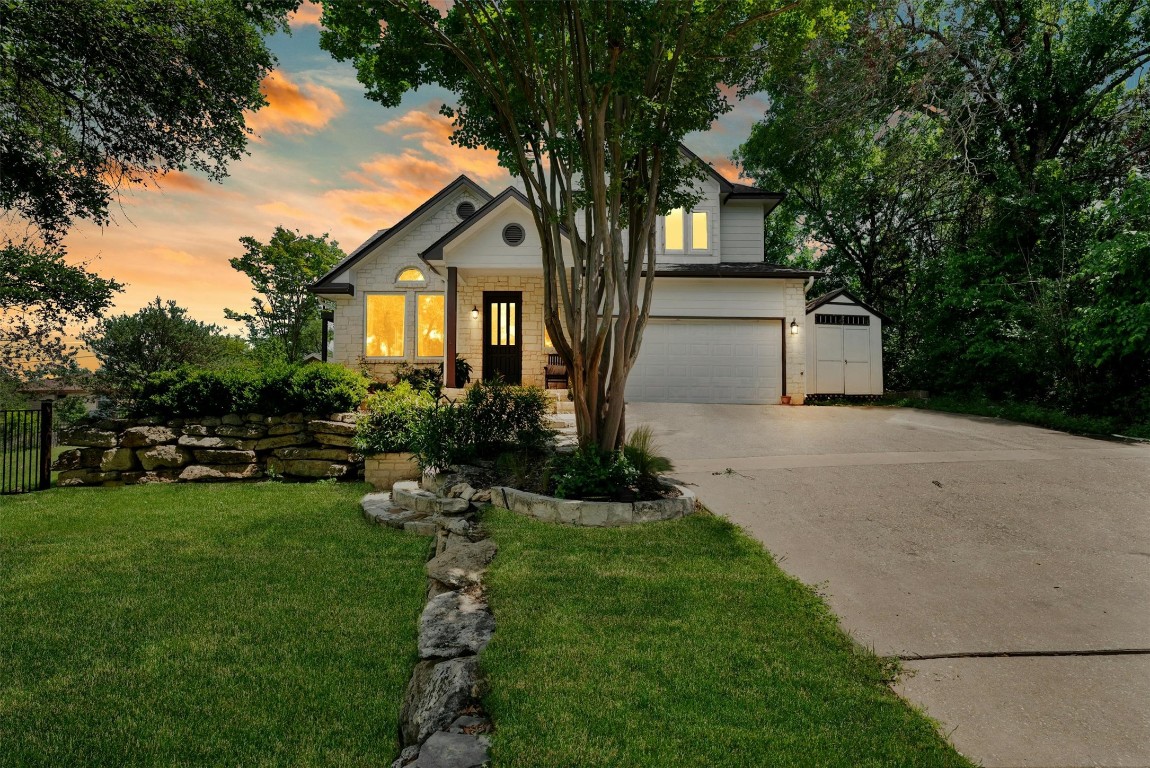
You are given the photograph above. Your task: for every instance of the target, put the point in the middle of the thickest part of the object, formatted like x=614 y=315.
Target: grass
x=679 y=644
x=261 y=624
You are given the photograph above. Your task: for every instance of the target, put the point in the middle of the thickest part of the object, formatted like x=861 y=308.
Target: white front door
x=684 y=360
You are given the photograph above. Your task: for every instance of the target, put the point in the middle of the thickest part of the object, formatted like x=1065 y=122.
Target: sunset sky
x=324 y=159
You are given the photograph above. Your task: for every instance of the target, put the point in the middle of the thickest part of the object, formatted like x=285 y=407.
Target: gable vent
x=513 y=234
x=465 y=210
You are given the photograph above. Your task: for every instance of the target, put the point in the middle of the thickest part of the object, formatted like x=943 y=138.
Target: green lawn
x=678 y=644
x=250 y=625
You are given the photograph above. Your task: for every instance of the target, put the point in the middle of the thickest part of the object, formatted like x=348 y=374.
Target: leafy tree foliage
x=969 y=167
x=285 y=319
x=586 y=103
x=44 y=301
x=159 y=337
x=98 y=93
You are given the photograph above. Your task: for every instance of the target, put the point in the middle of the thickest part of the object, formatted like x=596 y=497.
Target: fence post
x=45 y=445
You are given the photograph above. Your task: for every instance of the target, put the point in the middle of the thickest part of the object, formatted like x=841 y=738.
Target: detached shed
x=844 y=354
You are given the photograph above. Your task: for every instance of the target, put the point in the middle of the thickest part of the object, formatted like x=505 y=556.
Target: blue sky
x=324 y=159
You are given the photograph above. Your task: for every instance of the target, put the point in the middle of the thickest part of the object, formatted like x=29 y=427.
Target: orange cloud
x=294 y=108
x=433 y=133
x=284 y=210
x=308 y=13
x=728 y=169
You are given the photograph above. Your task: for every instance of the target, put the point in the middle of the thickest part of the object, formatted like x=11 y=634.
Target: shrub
x=427 y=378
x=321 y=388
x=441 y=436
x=589 y=473
x=327 y=388
x=391 y=415
x=505 y=417
x=642 y=453
x=462 y=371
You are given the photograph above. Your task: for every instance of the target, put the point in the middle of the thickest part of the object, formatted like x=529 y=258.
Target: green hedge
x=320 y=388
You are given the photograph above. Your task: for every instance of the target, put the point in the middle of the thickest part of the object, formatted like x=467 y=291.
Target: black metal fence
x=26 y=438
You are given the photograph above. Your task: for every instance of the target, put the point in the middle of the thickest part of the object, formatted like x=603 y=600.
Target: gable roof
x=815 y=303
x=434 y=252
x=325 y=284
x=731 y=190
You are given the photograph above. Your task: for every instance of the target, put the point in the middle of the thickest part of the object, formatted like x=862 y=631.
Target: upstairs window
x=680 y=229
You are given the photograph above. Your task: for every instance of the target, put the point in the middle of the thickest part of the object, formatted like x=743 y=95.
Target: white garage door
x=708 y=361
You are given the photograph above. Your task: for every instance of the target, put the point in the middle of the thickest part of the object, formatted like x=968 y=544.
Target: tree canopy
x=95 y=94
x=586 y=103
x=285 y=319
x=973 y=168
x=44 y=303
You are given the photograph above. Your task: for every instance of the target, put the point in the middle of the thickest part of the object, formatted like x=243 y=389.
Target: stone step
x=378 y=508
x=409 y=495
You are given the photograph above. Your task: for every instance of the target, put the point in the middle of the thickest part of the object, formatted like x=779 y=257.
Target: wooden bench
x=555 y=372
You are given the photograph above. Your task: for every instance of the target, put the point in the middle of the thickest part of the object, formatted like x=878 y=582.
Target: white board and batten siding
x=714 y=340
x=844 y=359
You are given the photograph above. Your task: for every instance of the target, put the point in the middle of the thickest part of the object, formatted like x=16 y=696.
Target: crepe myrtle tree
x=586 y=103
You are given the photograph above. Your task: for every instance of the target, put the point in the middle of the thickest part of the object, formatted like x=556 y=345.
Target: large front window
x=430 y=322
x=385 y=331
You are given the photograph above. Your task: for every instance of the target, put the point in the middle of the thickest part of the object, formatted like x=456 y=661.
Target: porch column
x=449 y=362
x=325 y=317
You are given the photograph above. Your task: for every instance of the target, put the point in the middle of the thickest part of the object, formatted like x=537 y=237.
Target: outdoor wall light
x=474 y=312
x=794 y=327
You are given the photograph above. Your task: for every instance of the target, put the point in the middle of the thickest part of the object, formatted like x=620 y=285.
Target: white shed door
x=829 y=359
x=856 y=359
x=708 y=361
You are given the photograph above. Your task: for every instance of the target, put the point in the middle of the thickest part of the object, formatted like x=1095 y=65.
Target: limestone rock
x=328 y=438
x=275 y=430
x=250 y=431
x=189 y=441
x=143 y=437
x=69 y=459
x=150 y=478
x=87 y=437
x=378 y=509
x=254 y=418
x=406 y=757
x=462 y=565
x=283 y=441
x=117 y=459
x=420 y=527
x=210 y=472
x=482 y=497
x=224 y=456
x=232 y=419
x=211 y=421
x=454 y=624
x=462 y=491
x=320 y=454
x=307 y=467
x=332 y=427
x=346 y=418
x=435 y=695
x=453 y=750
x=160 y=456
x=425 y=501
x=197 y=430
x=293 y=418
x=84 y=477
x=469 y=724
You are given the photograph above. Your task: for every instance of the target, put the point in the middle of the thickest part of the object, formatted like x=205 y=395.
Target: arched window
x=411 y=275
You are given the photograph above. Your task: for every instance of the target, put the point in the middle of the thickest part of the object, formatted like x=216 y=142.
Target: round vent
x=513 y=234
x=465 y=210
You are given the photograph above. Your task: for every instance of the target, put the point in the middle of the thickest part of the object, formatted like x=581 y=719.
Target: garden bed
x=599 y=514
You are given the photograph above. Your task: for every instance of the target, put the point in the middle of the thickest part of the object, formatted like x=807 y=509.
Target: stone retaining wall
x=599 y=514
x=209 y=449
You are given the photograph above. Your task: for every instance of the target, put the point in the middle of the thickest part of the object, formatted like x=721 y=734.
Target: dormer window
x=679 y=229
x=411 y=276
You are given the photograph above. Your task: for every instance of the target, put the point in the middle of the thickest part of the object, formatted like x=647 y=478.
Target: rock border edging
x=595 y=514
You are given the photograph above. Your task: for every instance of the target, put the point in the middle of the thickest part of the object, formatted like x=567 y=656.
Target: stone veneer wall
x=796 y=309
x=469 y=342
x=113 y=452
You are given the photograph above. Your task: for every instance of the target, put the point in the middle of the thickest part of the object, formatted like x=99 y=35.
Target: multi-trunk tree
x=586 y=103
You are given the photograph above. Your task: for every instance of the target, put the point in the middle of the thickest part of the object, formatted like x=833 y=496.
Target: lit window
x=673 y=235
x=385 y=325
x=699 y=230
x=411 y=276
x=503 y=324
x=429 y=321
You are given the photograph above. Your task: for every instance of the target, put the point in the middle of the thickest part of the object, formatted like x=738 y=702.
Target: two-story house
x=462 y=275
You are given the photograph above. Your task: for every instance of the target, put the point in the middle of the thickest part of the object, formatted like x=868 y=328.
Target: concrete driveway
x=940 y=535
